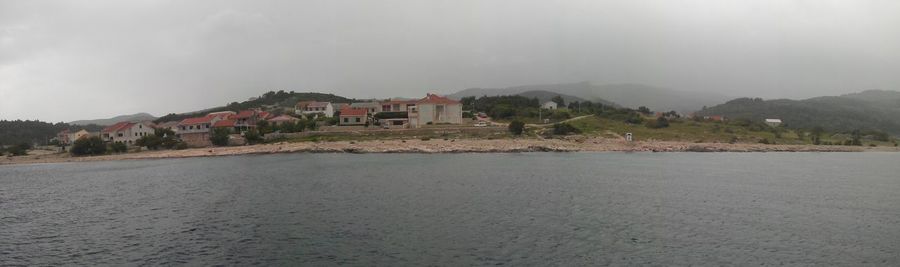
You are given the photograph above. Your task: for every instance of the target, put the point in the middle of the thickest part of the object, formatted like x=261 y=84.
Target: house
x=435 y=109
x=773 y=122
x=549 y=105
x=281 y=120
x=354 y=116
x=245 y=119
x=312 y=108
x=339 y=106
x=126 y=132
x=714 y=118
x=195 y=132
x=372 y=107
x=78 y=135
x=169 y=125
x=397 y=105
x=63 y=137
x=227 y=124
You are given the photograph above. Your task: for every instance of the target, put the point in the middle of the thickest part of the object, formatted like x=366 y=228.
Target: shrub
x=118 y=147
x=252 y=136
x=660 y=122
x=18 y=150
x=180 y=146
x=219 y=136
x=152 y=142
x=764 y=141
x=88 y=146
x=516 y=127
x=564 y=129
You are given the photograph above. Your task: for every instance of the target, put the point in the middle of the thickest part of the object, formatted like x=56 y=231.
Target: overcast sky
x=68 y=60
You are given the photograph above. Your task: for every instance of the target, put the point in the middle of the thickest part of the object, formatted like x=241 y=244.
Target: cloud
x=63 y=60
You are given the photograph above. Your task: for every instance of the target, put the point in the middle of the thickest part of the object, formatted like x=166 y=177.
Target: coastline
x=448 y=146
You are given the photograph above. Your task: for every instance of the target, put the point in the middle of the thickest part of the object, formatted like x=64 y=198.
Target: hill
x=627 y=95
x=868 y=110
x=35 y=132
x=132 y=118
x=269 y=99
x=544 y=96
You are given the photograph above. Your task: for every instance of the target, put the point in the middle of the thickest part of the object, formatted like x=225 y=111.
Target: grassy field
x=694 y=131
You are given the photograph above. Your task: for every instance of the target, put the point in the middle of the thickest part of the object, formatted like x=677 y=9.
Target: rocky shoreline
x=449 y=146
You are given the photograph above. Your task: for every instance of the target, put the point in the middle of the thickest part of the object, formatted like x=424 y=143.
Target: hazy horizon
x=64 y=61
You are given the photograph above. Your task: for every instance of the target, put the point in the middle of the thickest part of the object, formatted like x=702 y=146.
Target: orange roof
x=244 y=114
x=436 y=99
x=264 y=115
x=197 y=120
x=354 y=112
x=223 y=123
x=118 y=127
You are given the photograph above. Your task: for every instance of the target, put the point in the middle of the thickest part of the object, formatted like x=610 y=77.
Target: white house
x=310 y=108
x=549 y=105
x=773 y=122
x=434 y=109
x=126 y=132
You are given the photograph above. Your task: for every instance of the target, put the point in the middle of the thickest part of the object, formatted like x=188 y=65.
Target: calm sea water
x=575 y=209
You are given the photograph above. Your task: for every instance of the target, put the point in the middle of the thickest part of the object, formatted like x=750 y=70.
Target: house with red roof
x=195 y=132
x=126 y=132
x=308 y=108
x=246 y=119
x=354 y=116
x=435 y=109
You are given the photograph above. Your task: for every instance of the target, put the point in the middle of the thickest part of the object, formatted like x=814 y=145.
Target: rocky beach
x=448 y=146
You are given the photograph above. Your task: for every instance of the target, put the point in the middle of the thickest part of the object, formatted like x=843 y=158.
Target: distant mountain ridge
x=105 y=122
x=627 y=95
x=867 y=110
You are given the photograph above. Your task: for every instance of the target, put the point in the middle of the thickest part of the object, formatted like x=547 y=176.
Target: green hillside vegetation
x=36 y=132
x=736 y=131
x=516 y=107
x=271 y=98
x=872 y=111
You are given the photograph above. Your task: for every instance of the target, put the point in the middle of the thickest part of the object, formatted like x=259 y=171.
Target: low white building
x=773 y=122
x=311 y=108
x=549 y=105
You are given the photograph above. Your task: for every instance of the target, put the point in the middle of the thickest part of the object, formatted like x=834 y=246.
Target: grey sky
x=67 y=60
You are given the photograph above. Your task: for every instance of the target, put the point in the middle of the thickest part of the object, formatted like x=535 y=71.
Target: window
x=346 y=120
x=192 y=127
x=357 y=120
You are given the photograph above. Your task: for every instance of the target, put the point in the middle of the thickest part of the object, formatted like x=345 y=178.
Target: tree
x=88 y=146
x=19 y=150
x=856 y=136
x=644 y=110
x=152 y=142
x=660 y=122
x=559 y=101
x=564 y=129
x=516 y=127
x=219 y=136
x=252 y=136
x=263 y=127
x=118 y=147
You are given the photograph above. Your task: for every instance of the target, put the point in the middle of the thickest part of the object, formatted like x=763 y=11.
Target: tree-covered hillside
x=35 y=132
x=271 y=98
x=869 y=110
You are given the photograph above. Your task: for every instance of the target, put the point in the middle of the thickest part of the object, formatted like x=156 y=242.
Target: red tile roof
x=244 y=114
x=436 y=99
x=354 y=112
x=264 y=115
x=197 y=120
x=118 y=127
x=223 y=123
